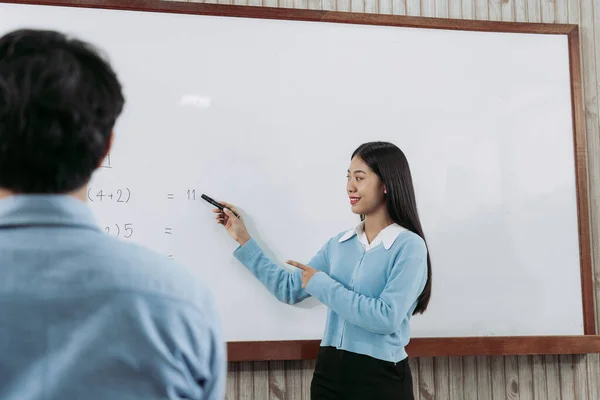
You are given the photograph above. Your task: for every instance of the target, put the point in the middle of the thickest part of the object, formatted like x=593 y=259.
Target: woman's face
x=365 y=188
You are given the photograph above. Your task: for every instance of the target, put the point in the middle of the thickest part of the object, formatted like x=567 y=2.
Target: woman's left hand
x=307 y=272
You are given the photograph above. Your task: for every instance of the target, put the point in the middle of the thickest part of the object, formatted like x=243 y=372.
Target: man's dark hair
x=59 y=101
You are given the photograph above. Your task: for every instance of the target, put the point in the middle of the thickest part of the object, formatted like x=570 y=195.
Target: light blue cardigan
x=370 y=295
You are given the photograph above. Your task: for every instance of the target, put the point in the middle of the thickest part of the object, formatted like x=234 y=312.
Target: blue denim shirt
x=87 y=316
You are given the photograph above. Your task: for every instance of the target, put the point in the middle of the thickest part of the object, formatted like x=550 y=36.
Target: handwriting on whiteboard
x=120 y=195
x=103 y=195
x=106 y=163
x=120 y=230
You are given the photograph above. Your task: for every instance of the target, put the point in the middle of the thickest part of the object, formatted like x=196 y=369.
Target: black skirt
x=343 y=375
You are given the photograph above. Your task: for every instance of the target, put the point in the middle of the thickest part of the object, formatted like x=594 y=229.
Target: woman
x=372 y=278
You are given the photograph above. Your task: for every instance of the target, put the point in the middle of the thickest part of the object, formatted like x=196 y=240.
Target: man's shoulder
x=132 y=267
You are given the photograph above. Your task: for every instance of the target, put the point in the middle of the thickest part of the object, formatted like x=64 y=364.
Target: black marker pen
x=218 y=205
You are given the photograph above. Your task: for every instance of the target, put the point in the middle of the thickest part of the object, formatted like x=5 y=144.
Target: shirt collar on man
x=40 y=210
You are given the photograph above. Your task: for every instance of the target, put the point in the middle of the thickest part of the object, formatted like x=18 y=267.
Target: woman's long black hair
x=391 y=165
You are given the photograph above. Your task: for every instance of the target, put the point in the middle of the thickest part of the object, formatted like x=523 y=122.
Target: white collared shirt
x=387 y=236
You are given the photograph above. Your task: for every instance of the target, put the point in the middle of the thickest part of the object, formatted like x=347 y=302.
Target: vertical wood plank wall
x=464 y=378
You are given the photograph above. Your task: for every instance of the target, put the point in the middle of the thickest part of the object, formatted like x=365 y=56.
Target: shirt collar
x=49 y=210
x=387 y=235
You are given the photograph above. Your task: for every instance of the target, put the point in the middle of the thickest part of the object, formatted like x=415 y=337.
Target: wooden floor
x=537 y=377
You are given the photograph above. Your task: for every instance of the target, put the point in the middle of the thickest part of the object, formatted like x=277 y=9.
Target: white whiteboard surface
x=265 y=114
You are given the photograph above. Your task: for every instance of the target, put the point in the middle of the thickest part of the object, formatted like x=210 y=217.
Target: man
x=84 y=315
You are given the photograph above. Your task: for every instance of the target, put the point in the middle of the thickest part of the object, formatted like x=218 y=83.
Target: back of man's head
x=59 y=101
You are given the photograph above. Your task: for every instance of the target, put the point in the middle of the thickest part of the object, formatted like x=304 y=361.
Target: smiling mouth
x=354 y=200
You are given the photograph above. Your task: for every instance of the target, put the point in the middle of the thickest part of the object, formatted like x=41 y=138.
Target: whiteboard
x=266 y=113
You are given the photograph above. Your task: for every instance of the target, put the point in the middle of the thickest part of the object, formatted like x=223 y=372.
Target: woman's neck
x=376 y=222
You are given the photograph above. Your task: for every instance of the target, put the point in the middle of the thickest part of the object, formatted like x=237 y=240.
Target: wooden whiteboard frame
x=589 y=342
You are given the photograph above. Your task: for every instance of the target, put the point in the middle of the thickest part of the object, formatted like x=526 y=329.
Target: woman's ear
x=384 y=190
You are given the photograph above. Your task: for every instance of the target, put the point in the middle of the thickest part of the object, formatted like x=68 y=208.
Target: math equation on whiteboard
x=120 y=230
x=190 y=195
x=102 y=195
